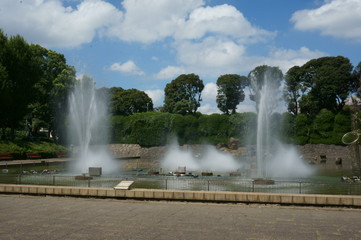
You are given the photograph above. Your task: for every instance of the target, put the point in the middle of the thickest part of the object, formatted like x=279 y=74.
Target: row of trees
x=156 y=128
x=323 y=83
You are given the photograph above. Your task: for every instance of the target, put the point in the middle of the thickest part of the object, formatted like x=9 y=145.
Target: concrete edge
x=180 y=195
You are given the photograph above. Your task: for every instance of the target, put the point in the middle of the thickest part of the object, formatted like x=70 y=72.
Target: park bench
x=33 y=155
x=61 y=154
x=5 y=156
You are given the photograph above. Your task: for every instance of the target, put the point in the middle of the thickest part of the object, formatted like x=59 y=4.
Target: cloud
x=337 y=18
x=152 y=20
x=170 y=72
x=129 y=67
x=155 y=20
x=287 y=58
x=209 y=92
x=208 y=109
x=222 y=20
x=51 y=24
x=211 y=56
x=157 y=96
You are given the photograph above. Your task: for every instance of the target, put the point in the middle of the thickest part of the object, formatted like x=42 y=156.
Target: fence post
x=166 y=184
x=19 y=179
x=252 y=185
x=300 y=189
x=89 y=182
x=53 y=180
x=208 y=185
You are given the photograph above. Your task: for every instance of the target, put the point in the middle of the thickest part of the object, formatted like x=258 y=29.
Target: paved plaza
x=43 y=217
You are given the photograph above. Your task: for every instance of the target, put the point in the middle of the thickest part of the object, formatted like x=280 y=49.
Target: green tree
x=294 y=89
x=325 y=83
x=264 y=76
x=183 y=94
x=323 y=127
x=52 y=89
x=230 y=92
x=356 y=74
x=18 y=87
x=130 y=101
x=303 y=125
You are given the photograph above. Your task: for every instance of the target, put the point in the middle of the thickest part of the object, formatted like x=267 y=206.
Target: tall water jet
x=273 y=158
x=87 y=128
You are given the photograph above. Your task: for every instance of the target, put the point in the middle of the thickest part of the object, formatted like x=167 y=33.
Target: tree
x=56 y=80
x=18 y=84
x=130 y=101
x=294 y=89
x=356 y=74
x=183 y=94
x=263 y=76
x=230 y=92
x=325 y=83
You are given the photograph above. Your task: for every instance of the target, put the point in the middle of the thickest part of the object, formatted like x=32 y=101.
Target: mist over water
x=210 y=159
x=87 y=132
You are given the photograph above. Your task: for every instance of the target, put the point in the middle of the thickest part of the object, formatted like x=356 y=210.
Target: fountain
x=87 y=115
x=274 y=159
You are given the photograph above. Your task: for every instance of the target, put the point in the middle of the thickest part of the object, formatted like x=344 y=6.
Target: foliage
x=261 y=75
x=183 y=94
x=294 y=89
x=18 y=148
x=214 y=128
x=230 y=92
x=130 y=101
x=17 y=86
x=322 y=83
x=33 y=85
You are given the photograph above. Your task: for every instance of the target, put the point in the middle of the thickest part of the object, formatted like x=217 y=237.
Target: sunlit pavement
x=40 y=217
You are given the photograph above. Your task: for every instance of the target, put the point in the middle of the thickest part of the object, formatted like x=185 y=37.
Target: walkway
x=38 y=217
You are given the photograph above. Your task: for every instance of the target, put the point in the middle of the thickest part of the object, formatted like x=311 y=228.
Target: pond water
x=325 y=181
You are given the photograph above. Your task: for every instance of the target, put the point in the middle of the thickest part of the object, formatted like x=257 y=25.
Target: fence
x=183 y=183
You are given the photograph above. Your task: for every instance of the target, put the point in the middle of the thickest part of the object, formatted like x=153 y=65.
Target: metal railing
x=195 y=184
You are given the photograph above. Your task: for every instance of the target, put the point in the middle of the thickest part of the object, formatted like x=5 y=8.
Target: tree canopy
x=323 y=83
x=183 y=94
x=33 y=84
x=264 y=76
x=130 y=101
x=230 y=92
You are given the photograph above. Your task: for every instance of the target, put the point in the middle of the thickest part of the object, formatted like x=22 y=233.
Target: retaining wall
x=179 y=195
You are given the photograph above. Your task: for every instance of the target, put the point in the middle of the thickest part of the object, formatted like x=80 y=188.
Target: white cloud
x=337 y=18
x=155 y=20
x=170 y=72
x=224 y=20
x=51 y=24
x=129 y=67
x=211 y=56
x=287 y=58
x=152 y=20
x=209 y=92
x=157 y=96
x=208 y=109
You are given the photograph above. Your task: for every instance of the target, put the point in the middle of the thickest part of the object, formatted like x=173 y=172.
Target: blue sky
x=145 y=44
